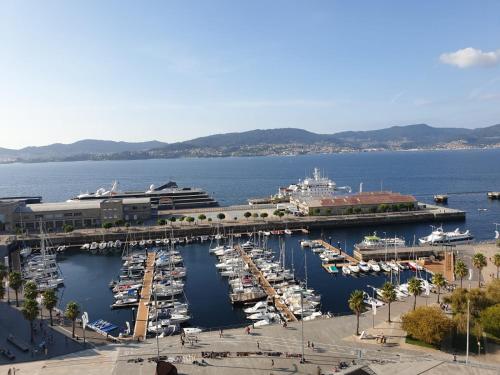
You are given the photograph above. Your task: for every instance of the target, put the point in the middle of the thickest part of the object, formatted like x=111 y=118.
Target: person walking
x=312 y=346
x=258 y=345
x=220 y=333
x=272 y=362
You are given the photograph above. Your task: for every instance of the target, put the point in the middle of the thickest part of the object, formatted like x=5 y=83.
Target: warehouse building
x=369 y=202
x=78 y=214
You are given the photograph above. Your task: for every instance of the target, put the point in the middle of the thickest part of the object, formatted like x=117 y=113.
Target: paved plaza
x=276 y=350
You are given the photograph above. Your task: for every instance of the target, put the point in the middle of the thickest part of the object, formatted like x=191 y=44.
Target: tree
x=461 y=270
x=264 y=215
x=316 y=211
x=388 y=296
x=30 y=290
x=479 y=261
x=50 y=301
x=493 y=291
x=15 y=282
x=356 y=305
x=281 y=214
x=439 y=281
x=276 y=213
x=428 y=324
x=161 y=221
x=255 y=215
x=107 y=225
x=201 y=217
x=172 y=220
x=30 y=312
x=68 y=228
x=496 y=262
x=72 y=311
x=490 y=320
x=190 y=219
x=247 y=215
x=221 y=216
x=181 y=219
x=415 y=289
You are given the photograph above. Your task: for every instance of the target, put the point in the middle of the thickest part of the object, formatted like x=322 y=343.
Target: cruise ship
x=165 y=197
x=317 y=185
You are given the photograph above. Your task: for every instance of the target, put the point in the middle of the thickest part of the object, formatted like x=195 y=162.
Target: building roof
x=60 y=206
x=136 y=200
x=370 y=198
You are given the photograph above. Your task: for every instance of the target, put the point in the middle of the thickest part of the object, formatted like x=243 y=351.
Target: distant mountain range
x=282 y=141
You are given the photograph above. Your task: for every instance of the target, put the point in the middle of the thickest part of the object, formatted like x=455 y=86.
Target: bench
x=18 y=343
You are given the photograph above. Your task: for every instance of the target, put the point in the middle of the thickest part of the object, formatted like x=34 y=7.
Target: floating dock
x=411 y=252
x=270 y=291
x=327 y=246
x=141 y=320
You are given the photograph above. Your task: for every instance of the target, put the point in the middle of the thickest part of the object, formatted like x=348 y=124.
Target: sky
x=176 y=70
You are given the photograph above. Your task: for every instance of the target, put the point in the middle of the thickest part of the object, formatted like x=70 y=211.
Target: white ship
x=439 y=237
x=374 y=242
x=317 y=185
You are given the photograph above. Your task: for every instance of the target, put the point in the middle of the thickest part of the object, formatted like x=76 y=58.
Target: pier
x=402 y=253
x=141 y=320
x=282 y=307
x=347 y=257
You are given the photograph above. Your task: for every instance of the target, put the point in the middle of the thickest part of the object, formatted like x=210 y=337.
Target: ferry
x=439 y=237
x=374 y=242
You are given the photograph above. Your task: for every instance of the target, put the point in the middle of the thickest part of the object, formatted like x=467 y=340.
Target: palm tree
x=72 y=312
x=356 y=305
x=15 y=282
x=439 y=281
x=30 y=290
x=479 y=261
x=461 y=270
x=496 y=262
x=388 y=296
x=30 y=312
x=50 y=301
x=415 y=289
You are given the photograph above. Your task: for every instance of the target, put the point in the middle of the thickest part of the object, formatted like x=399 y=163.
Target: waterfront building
x=79 y=214
x=367 y=202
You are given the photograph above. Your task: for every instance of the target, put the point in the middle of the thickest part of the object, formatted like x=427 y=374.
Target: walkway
x=141 y=321
x=282 y=307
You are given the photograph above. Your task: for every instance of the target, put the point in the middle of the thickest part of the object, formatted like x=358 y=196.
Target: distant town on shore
x=266 y=142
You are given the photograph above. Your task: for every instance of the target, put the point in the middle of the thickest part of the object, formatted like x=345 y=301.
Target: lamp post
x=302 y=360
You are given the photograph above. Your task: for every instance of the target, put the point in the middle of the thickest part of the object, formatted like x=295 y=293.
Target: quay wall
x=77 y=238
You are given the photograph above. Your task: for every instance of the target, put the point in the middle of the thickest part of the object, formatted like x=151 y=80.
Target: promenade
x=333 y=342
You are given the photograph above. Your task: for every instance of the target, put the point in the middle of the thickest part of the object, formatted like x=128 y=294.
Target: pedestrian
x=308 y=343
x=46 y=351
x=182 y=342
x=258 y=345
x=312 y=346
x=9 y=372
x=220 y=333
x=272 y=362
x=318 y=370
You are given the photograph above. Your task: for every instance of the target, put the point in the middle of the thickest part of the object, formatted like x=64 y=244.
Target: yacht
x=317 y=185
x=374 y=242
x=374 y=266
x=363 y=266
x=439 y=237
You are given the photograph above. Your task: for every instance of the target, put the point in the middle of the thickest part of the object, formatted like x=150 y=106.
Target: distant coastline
x=113 y=157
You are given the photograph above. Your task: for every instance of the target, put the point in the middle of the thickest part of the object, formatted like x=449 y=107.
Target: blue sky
x=175 y=70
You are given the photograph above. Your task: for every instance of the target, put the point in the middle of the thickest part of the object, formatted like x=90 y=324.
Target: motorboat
x=346 y=270
x=385 y=267
x=374 y=266
x=439 y=237
x=363 y=266
x=353 y=268
x=287 y=231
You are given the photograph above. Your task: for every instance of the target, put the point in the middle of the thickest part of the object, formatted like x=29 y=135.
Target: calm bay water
x=469 y=174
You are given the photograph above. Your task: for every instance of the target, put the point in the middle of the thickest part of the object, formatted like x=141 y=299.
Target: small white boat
x=363 y=266
x=102 y=245
x=374 y=266
x=353 y=268
x=85 y=246
x=288 y=231
x=346 y=270
x=385 y=267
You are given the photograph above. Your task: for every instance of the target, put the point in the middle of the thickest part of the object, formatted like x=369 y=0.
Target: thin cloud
x=470 y=57
x=281 y=103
